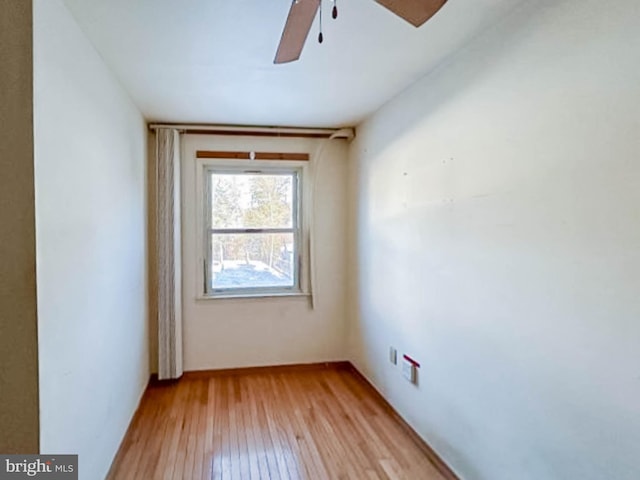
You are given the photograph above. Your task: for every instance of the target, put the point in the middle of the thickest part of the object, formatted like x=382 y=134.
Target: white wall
x=90 y=148
x=498 y=242
x=226 y=333
x=18 y=320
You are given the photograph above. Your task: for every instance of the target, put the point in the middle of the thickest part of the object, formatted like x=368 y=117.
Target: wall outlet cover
x=409 y=371
x=393 y=355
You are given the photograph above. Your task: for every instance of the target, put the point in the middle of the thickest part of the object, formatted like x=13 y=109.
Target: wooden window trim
x=233 y=155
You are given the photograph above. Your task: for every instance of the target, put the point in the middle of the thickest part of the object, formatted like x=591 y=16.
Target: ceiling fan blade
x=296 y=30
x=416 y=12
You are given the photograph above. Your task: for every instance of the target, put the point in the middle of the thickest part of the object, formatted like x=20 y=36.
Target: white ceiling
x=211 y=61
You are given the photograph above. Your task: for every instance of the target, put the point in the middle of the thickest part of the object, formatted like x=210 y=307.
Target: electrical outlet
x=409 y=371
x=393 y=355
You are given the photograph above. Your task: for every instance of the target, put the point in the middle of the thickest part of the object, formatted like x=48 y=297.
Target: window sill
x=247 y=296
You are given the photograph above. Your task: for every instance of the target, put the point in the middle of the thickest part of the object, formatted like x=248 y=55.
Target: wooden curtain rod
x=196 y=131
x=304 y=157
x=282 y=132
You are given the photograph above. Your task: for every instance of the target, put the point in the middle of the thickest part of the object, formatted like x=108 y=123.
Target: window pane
x=251 y=200
x=252 y=260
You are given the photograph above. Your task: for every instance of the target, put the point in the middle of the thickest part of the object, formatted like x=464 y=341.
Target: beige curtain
x=168 y=253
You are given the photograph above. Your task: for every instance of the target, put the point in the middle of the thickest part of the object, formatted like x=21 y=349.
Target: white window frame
x=299 y=227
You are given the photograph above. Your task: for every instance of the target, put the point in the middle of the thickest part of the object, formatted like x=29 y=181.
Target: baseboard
x=296 y=367
x=431 y=454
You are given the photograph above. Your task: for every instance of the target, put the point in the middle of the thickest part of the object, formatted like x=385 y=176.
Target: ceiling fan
x=302 y=13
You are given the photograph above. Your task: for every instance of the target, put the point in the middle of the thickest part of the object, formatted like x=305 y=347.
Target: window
x=252 y=235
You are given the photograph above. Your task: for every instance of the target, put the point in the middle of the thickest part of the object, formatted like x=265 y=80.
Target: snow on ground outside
x=237 y=274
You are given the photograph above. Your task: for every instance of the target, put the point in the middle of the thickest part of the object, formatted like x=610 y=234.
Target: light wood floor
x=315 y=424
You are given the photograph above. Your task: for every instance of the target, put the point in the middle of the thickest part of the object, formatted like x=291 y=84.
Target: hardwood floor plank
x=300 y=404
x=282 y=442
x=207 y=460
x=223 y=418
x=234 y=446
x=199 y=432
x=259 y=449
x=218 y=440
x=288 y=437
x=286 y=424
x=249 y=434
x=170 y=404
x=277 y=465
x=242 y=436
x=143 y=462
x=184 y=425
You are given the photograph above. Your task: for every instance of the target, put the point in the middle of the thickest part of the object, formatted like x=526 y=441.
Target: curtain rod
x=347 y=133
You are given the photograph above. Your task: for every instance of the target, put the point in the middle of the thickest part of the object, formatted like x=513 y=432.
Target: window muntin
x=253 y=236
